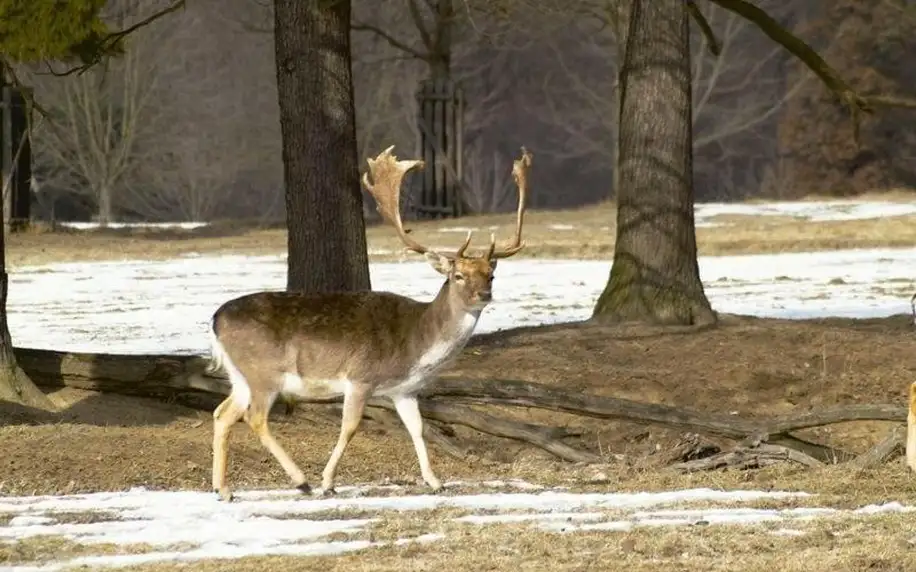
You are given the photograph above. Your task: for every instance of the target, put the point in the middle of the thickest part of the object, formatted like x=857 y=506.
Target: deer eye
x=459 y=276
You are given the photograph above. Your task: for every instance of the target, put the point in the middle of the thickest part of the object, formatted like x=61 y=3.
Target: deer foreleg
x=353 y=406
x=409 y=411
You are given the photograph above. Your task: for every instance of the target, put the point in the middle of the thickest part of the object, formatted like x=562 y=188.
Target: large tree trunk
x=327 y=239
x=15 y=385
x=655 y=276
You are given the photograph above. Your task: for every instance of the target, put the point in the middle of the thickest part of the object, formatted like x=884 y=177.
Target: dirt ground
x=584 y=233
x=754 y=367
x=749 y=366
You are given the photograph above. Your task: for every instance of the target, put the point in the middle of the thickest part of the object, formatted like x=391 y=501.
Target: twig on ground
x=889 y=448
x=748 y=457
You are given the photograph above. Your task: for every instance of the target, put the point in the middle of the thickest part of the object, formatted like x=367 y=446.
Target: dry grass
x=39 y=549
x=834 y=543
x=846 y=543
x=586 y=233
x=753 y=366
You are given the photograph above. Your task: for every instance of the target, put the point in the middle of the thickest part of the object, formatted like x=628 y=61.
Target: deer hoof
x=326 y=492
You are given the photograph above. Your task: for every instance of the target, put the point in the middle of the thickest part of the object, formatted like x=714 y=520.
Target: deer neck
x=448 y=322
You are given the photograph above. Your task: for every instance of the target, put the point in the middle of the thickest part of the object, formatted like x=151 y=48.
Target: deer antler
x=520 y=174
x=387 y=175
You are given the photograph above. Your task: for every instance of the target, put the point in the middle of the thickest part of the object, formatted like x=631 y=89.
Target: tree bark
x=327 y=238
x=655 y=276
x=619 y=14
x=104 y=207
x=15 y=385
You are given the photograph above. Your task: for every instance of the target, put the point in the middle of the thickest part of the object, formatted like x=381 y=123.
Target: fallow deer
x=355 y=344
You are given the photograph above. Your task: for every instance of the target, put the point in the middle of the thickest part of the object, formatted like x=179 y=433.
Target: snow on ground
x=814 y=211
x=186 y=526
x=165 y=306
x=77 y=225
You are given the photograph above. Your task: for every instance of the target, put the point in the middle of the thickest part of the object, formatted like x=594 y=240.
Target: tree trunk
x=440 y=49
x=327 y=238
x=655 y=276
x=15 y=385
x=619 y=13
x=104 y=211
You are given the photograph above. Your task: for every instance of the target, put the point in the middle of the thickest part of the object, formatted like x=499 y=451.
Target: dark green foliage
x=43 y=30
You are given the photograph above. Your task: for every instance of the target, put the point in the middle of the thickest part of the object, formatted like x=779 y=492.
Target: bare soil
x=749 y=366
x=584 y=233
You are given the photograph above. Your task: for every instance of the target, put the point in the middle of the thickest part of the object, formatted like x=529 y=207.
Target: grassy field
x=586 y=233
x=104 y=442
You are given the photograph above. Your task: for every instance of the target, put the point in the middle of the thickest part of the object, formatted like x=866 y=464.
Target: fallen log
x=184 y=378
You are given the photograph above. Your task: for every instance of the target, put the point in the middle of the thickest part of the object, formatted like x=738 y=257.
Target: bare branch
x=711 y=42
x=394 y=42
x=856 y=103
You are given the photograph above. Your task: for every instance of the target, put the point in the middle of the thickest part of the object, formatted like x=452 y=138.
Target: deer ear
x=441 y=264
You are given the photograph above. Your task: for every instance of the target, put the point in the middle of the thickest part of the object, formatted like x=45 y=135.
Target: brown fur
x=366 y=337
x=355 y=343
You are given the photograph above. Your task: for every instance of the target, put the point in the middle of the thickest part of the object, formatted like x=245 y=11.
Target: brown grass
x=38 y=549
x=548 y=235
x=752 y=366
x=841 y=542
x=883 y=542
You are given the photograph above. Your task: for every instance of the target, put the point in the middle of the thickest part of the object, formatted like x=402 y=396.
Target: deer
x=358 y=345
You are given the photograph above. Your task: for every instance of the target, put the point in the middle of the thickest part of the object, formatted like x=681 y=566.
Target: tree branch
x=111 y=41
x=856 y=103
x=392 y=41
x=712 y=44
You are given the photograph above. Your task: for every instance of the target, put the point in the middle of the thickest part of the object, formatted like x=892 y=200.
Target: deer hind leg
x=409 y=411
x=257 y=420
x=354 y=405
x=911 y=429
x=225 y=416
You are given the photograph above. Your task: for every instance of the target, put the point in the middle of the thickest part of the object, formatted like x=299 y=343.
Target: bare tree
x=737 y=94
x=487 y=179
x=101 y=121
x=437 y=39
x=219 y=123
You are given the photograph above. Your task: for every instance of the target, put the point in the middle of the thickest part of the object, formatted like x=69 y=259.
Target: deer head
x=469 y=276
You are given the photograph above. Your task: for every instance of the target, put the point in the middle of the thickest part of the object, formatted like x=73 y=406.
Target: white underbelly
x=409 y=386
x=295 y=385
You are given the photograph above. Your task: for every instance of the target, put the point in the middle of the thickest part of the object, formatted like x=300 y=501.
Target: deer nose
x=485 y=296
